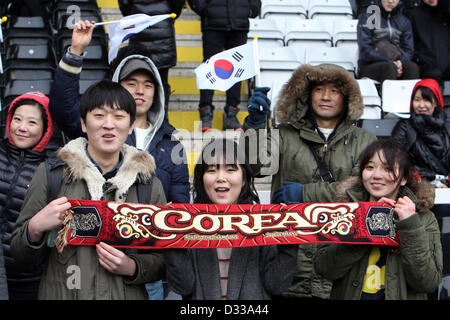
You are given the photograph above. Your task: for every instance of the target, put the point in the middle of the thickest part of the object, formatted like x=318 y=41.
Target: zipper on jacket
x=18 y=171
x=389 y=26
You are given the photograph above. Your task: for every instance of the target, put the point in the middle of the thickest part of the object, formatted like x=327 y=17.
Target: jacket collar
x=137 y=166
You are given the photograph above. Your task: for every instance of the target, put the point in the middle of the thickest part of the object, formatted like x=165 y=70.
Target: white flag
x=127 y=27
x=224 y=69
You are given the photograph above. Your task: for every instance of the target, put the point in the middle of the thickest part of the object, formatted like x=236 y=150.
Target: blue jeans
x=155 y=290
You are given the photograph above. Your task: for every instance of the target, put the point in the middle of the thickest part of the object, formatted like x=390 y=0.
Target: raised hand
x=258 y=107
x=81 y=36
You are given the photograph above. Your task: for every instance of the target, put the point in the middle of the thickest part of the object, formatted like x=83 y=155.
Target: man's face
x=142 y=89
x=107 y=130
x=327 y=101
x=431 y=3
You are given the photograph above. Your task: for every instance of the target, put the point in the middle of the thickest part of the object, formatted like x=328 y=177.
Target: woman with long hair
x=379 y=272
x=221 y=176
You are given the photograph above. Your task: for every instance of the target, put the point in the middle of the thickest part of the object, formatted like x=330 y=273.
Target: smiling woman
x=222 y=177
x=29 y=127
x=379 y=273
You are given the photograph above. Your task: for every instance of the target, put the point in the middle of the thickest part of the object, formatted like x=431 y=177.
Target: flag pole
x=172 y=15
x=256 y=55
x=106 y=22
x=257 y=68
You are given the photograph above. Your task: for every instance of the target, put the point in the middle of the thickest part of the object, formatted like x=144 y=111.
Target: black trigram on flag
x=210 y=77
x=239 y=73
x=237 y=56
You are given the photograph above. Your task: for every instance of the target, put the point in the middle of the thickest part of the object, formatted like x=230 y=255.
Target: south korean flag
x=224 y=69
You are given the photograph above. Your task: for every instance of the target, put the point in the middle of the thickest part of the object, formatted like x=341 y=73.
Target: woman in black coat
x=390 y=26
x=29 y=127
x=425 y=135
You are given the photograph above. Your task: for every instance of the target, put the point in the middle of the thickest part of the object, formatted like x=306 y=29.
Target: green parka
x=82 y=180
x=288 y=157
x=411 y=270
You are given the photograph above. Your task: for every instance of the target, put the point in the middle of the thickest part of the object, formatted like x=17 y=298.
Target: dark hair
x=428 y=95
x=220 y=151
x=107 y=93
x=33 y=103
x=395 y=156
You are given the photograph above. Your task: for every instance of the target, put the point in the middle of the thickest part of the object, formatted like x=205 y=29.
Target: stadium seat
x=32 y=30
x=330 y=9
x=28 y=44
x=341 y=56
x=15 y=88
x=396 y=97
x=267 y=31
x=284 y=9
x=310 y=30
x=446 y=93
x=382 y=128
x=89 y=77
x=276 y=66
x=65 y=14
x=344 y=31
x=371 y=99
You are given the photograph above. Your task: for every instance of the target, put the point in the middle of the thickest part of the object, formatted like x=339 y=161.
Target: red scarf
x=130 y=225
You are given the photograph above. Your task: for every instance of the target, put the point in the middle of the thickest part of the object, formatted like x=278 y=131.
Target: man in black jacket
x=430 y=22
x=224 y=26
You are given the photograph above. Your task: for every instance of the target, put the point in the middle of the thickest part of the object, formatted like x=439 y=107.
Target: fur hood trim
x=137 y=166
x=423 y=197
x=295 y=93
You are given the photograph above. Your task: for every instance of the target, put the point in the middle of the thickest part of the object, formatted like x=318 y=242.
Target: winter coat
x=161 y=143
x=431 y=35
x=422 y=134
x=3 y=281
x=290 y=158
x=412 y=270
x=255 y=273
x=17 y=167
x=393 y=26
x=159 y=38
x=82 y=180
x=225 y=15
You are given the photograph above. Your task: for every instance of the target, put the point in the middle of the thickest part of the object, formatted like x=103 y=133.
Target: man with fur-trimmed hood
x=316 y=112
x=99 y=167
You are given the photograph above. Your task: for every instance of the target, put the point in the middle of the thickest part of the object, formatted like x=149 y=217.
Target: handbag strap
x=325 y=174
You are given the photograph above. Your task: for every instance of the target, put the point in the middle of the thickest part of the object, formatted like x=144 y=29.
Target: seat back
x=268 y=32
x=284 y=8
x=341 y=56
x=330 y=9
x=396 y=96
x=344 y=31
x=382 y=128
